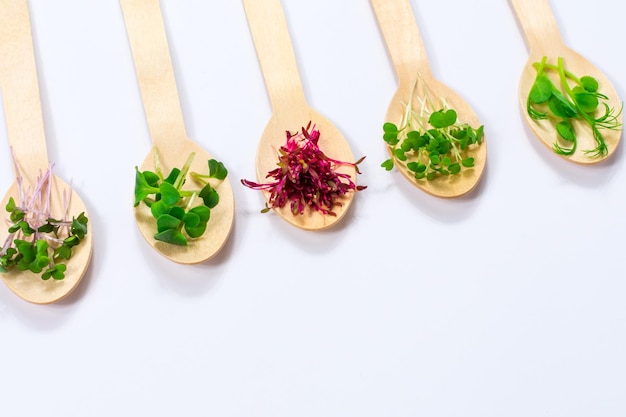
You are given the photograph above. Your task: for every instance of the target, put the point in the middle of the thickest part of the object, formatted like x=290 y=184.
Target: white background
x=508 y=302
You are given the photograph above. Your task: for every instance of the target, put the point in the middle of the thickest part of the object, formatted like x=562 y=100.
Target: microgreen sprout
x=37 y=242
x=430 y=142
x=576 y=99
x=306 y=177
x=178 y=216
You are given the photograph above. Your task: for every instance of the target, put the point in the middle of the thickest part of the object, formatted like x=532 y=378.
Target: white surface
x=509 y=302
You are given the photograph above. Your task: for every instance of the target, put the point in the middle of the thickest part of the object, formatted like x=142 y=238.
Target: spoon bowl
x=450 y=186
x=222 y=216
x=331 y=142
x=25 y=129
x=31 y=287
x=415 y=84
x=155 y=73
x=544 y=39
x=290 y=109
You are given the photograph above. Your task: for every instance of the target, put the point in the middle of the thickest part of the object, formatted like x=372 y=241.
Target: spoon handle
x=20 y=89
x=268 y=26
x=402 y=36
x=539 y=25
x=148 y=42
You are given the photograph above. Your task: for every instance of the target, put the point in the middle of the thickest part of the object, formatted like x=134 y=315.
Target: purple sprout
x=306 y=177
x=35 y=205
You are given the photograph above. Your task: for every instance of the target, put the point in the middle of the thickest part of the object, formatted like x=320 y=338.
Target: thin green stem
x=545 y=65
x=180 y=179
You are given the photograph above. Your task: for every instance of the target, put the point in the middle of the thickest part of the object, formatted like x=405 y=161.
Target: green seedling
x=36 y=241
x=177 y=216
x=431 y=143
x=576 y=99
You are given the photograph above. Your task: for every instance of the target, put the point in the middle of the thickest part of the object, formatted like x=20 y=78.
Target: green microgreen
x=574 y=99
x=37 y=242
x=431 y=142
x=180 y=214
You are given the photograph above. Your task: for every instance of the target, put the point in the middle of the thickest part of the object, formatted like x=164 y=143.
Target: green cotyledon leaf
x=541 y=90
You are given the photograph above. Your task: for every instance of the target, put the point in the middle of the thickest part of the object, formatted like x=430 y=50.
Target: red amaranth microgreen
x=306 y=177
x=173 y=208
x=37 y=242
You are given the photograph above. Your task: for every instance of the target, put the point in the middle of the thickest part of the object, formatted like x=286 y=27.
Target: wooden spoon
x=24 y=119
x=290 y=111
x=148 y=40
x=396 y=21
x=544 y=39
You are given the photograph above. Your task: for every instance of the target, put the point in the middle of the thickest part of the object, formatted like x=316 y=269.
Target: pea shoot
x=37 y=242
x=177 y=214
x=432 y=143
x=576 y=99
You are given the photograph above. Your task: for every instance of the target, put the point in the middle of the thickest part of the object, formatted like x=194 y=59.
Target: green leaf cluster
x=576 y=99
x=177 y=219
x=42 y=249
x=435 y=150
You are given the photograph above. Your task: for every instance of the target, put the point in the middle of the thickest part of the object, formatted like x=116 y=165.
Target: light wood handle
x=20 y=89
x=155 y=74
x=401 y=33
x=539 y=25
x=268 y=26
